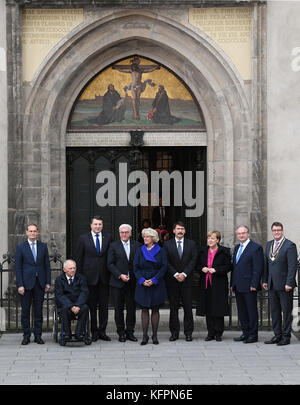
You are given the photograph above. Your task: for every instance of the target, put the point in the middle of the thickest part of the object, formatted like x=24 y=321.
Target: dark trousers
x=35 y=297
x=98 y=297
x=68 y=315
x=124 y=296
x=281 y=310
x=247 y=312
x=215 y=325
x=175 y=294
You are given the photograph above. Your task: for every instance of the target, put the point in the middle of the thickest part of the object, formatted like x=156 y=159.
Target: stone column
x=3 y=149
x=283 y=102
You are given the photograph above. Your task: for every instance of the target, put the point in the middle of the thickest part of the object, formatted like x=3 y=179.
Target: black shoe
x=94 y=337
x=154 y=340
x=209 y=338
x=251 y=340
x=218 y=339
x=62 y=342
x=130 y=336
x=284 y=342
x=79 y=338
x=240 y=339
x=275 y=339
x=188 y=338
x=39 y=340
x=173 y=338
x=25 y=341
x=87 y=340
x=122 y=338
x=145 y=340
x=103 y=336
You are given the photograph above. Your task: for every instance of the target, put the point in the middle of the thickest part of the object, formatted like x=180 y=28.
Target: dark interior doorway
x=85 y=164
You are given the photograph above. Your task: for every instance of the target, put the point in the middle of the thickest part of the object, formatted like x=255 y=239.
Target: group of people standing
x=146 y=275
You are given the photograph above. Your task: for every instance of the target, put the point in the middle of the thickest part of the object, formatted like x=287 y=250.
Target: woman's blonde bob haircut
x=217 y=233
x=150 y=232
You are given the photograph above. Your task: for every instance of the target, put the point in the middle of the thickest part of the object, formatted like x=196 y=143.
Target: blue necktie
x=97 y=244
x=179 y=248
x=33 y=251
x=239 y=253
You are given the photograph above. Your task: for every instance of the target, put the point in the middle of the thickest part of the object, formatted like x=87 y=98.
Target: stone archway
x=201 y=65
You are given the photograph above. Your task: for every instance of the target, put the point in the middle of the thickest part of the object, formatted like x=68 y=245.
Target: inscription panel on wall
x=41 y=30
x=231 y=29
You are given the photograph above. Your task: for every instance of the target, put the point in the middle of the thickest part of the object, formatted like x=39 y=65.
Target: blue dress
x=152 y=268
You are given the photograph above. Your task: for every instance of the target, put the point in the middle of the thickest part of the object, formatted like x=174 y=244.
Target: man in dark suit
x=122 y=281
x=182 y=257
x=71 y=295
x=33 y=279
x=91 y=262
x=248 y=264
x=280 y=278
x=161 y=216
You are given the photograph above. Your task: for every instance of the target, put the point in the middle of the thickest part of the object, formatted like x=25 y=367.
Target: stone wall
x=233 y=111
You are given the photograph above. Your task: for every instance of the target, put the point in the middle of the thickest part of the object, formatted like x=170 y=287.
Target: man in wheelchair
x=71 y=296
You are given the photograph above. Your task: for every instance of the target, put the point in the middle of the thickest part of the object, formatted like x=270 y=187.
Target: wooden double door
x=96 y=175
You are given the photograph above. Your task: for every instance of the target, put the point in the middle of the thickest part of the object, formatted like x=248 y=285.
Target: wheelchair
x=58 y=333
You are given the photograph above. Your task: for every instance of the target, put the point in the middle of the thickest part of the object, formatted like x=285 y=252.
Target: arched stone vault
x=194 y=58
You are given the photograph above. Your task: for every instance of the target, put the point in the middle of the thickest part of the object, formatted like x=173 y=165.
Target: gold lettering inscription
x=41 y=30
x=230 y=27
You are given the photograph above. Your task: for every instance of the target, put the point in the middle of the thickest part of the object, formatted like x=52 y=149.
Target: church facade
x=229 y=74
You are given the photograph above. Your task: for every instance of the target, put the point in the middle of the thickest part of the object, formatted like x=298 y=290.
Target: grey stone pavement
x=171 y=363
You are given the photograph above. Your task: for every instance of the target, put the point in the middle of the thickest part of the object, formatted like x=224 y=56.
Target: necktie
x=179 y=248
x=71 y=282
x=97 y=244
x=239 y=253
x=33 y=251
x=276 y=246
x=126 y=249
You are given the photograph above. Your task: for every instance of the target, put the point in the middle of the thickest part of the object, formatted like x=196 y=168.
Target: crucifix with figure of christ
x=136 y=86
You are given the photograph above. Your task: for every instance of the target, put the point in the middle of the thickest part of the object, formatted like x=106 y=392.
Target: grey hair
x=242 y=226
x=125 y=226
x=150 y=232
x=68 y=260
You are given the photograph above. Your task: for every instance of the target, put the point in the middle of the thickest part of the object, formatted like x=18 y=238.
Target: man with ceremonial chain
x=280 y=279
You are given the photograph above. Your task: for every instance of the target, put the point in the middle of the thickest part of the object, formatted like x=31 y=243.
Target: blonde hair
x=217 y=233
x=150 y=232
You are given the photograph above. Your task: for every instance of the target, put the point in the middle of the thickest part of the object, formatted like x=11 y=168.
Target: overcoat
x=219 y=287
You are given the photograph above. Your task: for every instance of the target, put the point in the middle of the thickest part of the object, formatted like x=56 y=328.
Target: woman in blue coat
x=149 y=266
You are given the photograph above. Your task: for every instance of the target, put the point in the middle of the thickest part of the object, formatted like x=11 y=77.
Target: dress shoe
x=240 y=338
x=251 y=340
x=209 y=338
x=87 y=340
x=218 y=339
x=275 y=339
x=79 y=338
x=173 y=338
x=131 y=337
x=145 y=340
x=155 y=340
x=39 y=340
x=62 y=342
x=122 y=338
x=188 y=338
x=94 y=337
x=25 y=341
x=284 y=342
x=67 y=338
x=103 y=336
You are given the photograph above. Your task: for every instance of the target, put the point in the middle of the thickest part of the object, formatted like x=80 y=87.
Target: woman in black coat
x=214 y=262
